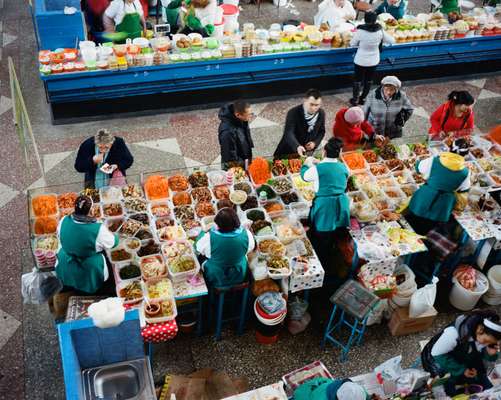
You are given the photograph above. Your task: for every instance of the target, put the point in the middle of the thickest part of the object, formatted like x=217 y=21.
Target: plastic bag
x=38 y=287
x=423 y=299
x=390 y=369
x=297 y=308
x=117 y=178
x=377 y=313
x=107 y=313
x=296 y=326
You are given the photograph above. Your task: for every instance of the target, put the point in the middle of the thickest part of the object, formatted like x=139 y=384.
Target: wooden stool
x=219 y=294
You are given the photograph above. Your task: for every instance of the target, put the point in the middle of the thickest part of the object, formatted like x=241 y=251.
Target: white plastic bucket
x=232 y=2
x=89 y=54
x=219 y=30
x=464 y=299
x=85 y=44
x=493 y=295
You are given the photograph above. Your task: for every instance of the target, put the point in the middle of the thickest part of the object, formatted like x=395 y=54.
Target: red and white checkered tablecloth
x=160 y=332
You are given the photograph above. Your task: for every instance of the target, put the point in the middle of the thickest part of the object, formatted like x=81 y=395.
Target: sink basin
x=129 y=380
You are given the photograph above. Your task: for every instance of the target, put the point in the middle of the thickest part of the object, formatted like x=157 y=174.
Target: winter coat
x=296 y=132
x=368 y=46
x=119 y=154
x=444 y=120
x=388 y=116
x=234 y=137
x=353 y=136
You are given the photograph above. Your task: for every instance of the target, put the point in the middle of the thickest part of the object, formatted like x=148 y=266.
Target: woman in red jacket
x=350 y=125
x=453 y=118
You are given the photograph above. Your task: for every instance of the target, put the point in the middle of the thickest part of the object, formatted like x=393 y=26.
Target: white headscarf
x=351 y=391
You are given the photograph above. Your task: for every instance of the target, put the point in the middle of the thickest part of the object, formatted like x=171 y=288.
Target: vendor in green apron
x=226 y=247
x=125 y=16
x=448 y=6
x=331 y=207
x=329 y=389
x=81 y=264
x=446 y=175
x=196 y=16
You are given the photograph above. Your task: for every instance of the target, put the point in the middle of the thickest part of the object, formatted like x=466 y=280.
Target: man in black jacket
x=304 y=127
x=234 y=133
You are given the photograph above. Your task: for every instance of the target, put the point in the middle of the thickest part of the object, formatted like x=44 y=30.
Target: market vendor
x=446 y=175
x=330 y=389
x=453 y=118
x=466 y=349
x=304 y=127
x=81 y=263
x=351 y=127
x=191 y=16
x=226 y=247
x=448 y=6
x=388 y=108
x=125 y=16
x=397 y=8
x=331 y=208
x=334 y=13
x=104 y=149
x=94 y=10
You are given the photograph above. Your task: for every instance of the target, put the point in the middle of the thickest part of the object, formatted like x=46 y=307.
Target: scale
x=161 y=29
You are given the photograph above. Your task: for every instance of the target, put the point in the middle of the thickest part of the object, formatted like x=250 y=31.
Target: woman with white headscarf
x=334 y=13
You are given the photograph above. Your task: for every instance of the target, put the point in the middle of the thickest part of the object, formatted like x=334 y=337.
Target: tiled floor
x=28 y=346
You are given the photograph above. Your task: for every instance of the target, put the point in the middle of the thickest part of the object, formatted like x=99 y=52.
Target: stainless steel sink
x=129 y=380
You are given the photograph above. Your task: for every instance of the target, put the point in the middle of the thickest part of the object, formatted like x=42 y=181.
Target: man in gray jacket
x=388 y=108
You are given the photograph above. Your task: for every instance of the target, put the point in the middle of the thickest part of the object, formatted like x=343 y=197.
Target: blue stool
x=354 y=303
x=219 y=294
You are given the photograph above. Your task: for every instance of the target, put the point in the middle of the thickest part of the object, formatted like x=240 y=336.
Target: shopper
x=351 y=127
x=125 y=16
x=103 y=151
x=334 y=13
x=226 y=247
x=330 y=209
x=330 y=389
x=234 y=133
x=81 y=263
x=304 y=127
x=397 y=8
x=388 y=108
x=369 y=38
x=446 y=175
x=466 y=349
x=454 y=118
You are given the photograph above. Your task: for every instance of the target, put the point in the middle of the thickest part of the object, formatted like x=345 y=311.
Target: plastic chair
x=219 y=294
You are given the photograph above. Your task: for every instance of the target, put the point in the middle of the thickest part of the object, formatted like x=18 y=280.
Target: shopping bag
x=38 y=287
x=117 y=178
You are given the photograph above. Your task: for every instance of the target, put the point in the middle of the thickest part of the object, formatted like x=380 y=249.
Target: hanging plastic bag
x=423 y=299
x=38 y=287
x=297 y=308
x=107 y=313
x=117 y=178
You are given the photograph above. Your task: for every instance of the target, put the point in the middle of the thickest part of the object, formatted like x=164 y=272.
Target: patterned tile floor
x=28 y=347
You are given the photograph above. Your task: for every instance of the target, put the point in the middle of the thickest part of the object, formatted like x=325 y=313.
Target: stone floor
x=29 y=360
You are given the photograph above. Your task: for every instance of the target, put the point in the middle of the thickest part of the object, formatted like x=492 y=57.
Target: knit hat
x=351 y=391
x=391 y=80
x=354 y=115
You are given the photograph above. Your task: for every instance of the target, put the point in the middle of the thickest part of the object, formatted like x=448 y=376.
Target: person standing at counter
x=331 y=207
x=453 y=118
x=304 y=127
x=81 y=263
x=234 y=133
x=334 y=13
x=197 y=16
x=351 y=127
x=125 y=16
x=446 y=175
x=448 y=6
x=102 y=150
x=388 y=108
x=369 y=38
x=397 y=8
x=226 y=247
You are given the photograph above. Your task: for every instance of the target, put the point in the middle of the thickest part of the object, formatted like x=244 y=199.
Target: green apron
x=227 y=265
x=331 y=207
x=448 y=6
x=436 y=199
x=78 y=264
x=131 y=24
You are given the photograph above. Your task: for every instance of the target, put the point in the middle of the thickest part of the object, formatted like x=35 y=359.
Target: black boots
x=356 y=92
x=365 y=92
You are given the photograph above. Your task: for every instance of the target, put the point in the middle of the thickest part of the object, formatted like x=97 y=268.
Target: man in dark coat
x=99 y=150
x=304 y=127
x=234 y=133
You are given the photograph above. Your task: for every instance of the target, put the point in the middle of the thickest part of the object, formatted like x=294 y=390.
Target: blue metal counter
x=192 y=76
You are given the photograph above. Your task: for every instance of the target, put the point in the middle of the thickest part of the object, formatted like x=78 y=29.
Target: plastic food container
x=152 y=319
x=182 y=276
x=147 y=273
x=161 y=285
x=136 y=283
x=117 y=267
x=111 y=194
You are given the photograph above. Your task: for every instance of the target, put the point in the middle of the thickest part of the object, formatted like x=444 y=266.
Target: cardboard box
x=401 y=324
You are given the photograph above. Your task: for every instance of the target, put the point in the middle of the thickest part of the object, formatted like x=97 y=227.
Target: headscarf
x=370 y=24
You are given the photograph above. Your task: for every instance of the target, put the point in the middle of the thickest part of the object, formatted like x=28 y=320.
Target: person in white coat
x=369 y=38
x=334 y=13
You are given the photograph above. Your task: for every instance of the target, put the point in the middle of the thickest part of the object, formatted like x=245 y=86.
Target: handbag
x=118 y=178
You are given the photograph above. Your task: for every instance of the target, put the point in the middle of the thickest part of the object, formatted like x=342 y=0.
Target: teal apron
x=435 y=200
x=331 y=207
x=78 y=264
x=131 y=24
x=227 y=265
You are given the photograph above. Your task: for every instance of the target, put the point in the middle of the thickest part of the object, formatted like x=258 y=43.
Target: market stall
x=252 y=56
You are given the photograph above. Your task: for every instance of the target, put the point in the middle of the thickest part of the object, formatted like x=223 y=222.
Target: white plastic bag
x=107 y=313
x=377 y=313
x=423 y=299
x=391 y=369
x=38 y=287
